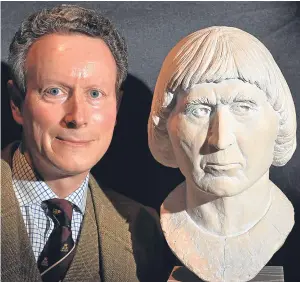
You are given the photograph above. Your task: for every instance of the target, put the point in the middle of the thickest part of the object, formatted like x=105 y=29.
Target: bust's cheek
x=267 y=125
x=193 y=134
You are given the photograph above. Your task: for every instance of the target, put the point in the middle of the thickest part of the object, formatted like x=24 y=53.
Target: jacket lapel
x=18 y=262
x=85 y=265
x=104 y=231
x=117 y=259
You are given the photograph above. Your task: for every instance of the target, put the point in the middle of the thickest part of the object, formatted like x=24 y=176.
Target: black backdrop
x=151 y=30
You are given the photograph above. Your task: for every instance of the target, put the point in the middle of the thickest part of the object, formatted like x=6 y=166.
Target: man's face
x=69 y=112
x=223 y=135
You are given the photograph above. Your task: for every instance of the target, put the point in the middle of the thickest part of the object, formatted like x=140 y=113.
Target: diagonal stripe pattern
x=58 y=252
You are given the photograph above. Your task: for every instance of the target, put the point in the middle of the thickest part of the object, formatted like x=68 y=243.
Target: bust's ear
x=16 y=101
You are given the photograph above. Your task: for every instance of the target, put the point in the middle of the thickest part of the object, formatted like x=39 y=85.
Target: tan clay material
x=223 y=113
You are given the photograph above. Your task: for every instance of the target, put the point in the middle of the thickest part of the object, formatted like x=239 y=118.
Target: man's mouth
x=73 y=141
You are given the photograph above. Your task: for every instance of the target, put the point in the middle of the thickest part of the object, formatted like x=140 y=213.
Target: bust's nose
x=221 y=133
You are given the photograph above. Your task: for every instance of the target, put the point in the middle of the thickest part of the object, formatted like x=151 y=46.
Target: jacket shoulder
x=148 y=244
x=5 y=170
x=138 y=227
x=127 y=206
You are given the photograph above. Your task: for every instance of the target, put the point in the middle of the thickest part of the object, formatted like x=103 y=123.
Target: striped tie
x=57 y=255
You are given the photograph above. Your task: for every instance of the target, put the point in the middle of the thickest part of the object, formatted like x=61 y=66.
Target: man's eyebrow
x=55 y=81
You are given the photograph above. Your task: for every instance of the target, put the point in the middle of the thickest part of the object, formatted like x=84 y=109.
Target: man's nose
x=76 y=111
x=221 y=133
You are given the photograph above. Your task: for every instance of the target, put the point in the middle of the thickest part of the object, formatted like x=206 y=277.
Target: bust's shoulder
x=281 y=213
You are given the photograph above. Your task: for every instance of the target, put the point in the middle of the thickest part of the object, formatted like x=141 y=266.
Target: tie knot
x=60 y=211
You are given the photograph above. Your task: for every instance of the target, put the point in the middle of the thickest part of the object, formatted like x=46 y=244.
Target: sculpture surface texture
x=223 y=113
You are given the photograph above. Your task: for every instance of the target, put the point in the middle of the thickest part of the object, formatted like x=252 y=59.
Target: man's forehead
x=69 y=55
x=54 y=47
x=83 y=71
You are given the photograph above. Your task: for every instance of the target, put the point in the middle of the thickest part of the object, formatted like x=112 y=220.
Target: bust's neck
x=229 y=216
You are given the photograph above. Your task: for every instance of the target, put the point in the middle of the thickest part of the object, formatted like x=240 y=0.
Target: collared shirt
x=31 y=192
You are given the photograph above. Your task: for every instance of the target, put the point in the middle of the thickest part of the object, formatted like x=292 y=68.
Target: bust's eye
x=242 y=108
x=54 y=91
x=95 y=93
x=202 y=111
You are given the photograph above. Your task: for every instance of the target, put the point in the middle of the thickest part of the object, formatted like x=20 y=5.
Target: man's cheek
x=105 y=120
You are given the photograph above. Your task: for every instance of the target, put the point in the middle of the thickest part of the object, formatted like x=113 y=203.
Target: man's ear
x=119 y=98
x=16 y=101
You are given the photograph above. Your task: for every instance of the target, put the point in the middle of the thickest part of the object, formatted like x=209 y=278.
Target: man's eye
x=201 y=112
x=95 y=94
x=54 y=91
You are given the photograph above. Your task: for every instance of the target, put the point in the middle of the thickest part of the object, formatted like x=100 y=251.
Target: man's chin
x=72 y=168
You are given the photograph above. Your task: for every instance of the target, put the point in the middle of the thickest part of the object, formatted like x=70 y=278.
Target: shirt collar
x=30 y=190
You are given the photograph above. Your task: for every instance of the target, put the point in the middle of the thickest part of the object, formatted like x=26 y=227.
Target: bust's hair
x=65 y=19
x=213 y=55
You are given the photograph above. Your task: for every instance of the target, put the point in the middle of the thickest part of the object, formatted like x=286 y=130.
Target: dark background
x=151 y=29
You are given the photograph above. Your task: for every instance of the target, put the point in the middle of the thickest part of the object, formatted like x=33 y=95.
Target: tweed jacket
x=120 y=240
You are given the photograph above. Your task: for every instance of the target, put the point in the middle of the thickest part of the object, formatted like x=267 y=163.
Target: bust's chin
x=222 y=186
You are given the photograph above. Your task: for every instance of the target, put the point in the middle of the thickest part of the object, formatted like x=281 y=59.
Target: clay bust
x=223 y=113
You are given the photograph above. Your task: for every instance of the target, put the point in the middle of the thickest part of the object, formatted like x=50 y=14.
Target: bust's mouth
x=225 y=169
x=222 y=166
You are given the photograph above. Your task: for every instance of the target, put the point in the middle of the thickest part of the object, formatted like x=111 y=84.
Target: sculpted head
x=68 y=64
x=222 y=111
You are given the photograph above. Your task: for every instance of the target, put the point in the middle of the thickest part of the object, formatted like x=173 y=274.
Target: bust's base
x=268 y=273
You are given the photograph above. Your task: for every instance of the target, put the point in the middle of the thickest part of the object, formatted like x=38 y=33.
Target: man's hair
x=65 y=19
x=212 y=55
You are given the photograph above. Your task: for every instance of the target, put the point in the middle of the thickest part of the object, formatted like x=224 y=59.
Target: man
x=68 y=64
